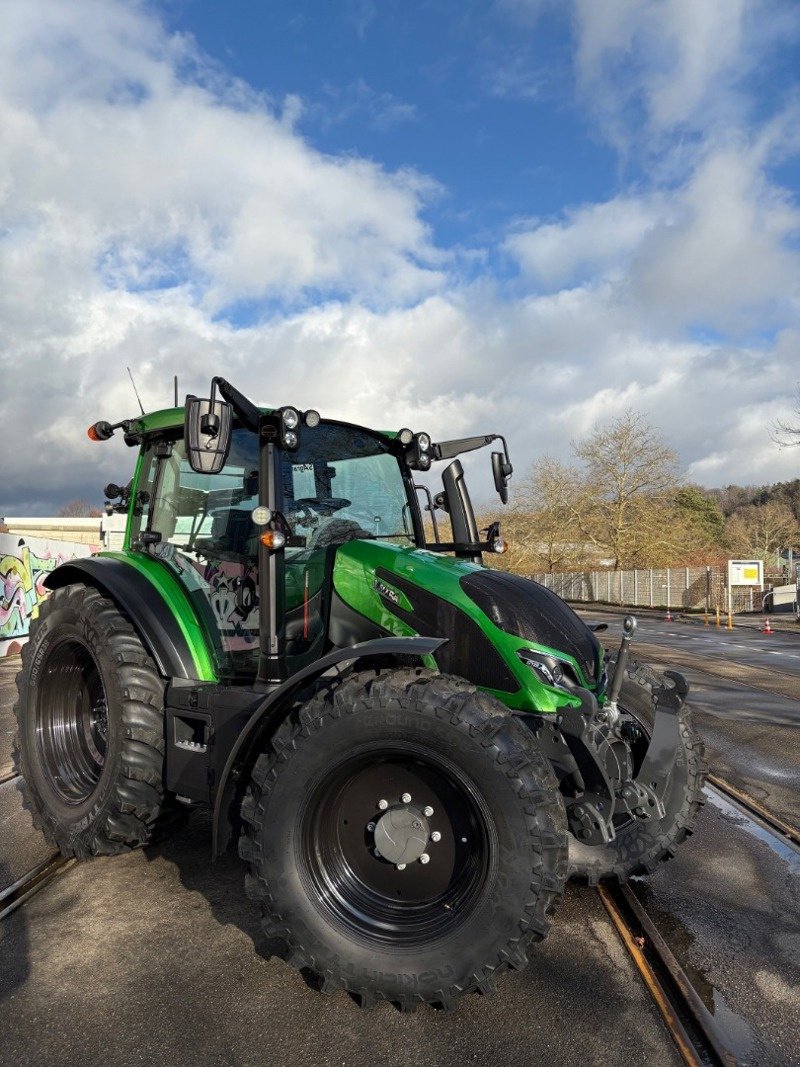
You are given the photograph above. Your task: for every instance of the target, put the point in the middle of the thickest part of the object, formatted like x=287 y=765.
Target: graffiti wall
x=24 y=564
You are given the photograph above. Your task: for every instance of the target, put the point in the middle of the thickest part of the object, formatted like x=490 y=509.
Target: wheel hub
x=402 y=835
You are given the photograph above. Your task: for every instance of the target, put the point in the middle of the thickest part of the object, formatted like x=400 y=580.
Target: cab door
x=200 y=526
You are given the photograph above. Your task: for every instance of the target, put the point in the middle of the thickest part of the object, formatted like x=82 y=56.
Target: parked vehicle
x=412 y=751
x=783 y=598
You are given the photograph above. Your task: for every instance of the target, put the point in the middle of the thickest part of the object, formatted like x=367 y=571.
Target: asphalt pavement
x=157 y=955
x=9 y=665
x=745 y=698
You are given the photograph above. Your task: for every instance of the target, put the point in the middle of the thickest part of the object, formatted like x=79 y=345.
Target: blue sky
x=480 y=98
x=525 y=216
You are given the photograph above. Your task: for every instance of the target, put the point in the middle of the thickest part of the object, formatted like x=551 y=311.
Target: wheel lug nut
x=464 y=840
x=383 y=804
x=401 y=866
x=424 y=858
x=406 y=798
x=370 y=826
x=427 y=812
x=436 y=836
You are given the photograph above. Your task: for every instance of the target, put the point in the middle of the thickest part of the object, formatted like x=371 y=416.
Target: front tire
x=484 y=806
x=90 y=727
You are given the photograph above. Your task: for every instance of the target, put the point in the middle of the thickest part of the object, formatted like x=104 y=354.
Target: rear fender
x=140 y=602
x=274 y=708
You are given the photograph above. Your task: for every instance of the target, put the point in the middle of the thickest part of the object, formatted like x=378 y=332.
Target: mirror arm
x=451 y=449
x=248 y=413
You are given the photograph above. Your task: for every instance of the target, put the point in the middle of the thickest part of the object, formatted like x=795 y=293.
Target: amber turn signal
x=272 y=539
x=499 y=545
x=100 y=431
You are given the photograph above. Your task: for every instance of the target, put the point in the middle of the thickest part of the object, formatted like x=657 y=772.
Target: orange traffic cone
x=767 y=628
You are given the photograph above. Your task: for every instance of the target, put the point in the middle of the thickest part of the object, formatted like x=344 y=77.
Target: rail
x=697 y=1035
x=25 y=887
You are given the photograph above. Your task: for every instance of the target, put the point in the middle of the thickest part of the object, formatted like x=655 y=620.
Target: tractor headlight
x=419 y=450
x=289 y=428
x=550 y=669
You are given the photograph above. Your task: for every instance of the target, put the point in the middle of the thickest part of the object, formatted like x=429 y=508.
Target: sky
x=522 y=216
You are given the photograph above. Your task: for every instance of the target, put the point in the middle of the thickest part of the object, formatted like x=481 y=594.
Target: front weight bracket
x=665 y=742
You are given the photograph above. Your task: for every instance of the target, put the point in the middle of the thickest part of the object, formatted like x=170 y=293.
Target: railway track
x=698 y=1036
x=15 y=895
x=7 y=774
x=693 y=1028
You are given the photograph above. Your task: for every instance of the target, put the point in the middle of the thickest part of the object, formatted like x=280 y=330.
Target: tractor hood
x=488 y=616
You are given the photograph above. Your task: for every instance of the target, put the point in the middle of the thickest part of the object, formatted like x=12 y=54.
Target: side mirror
x=207 y=433
x=502 y=470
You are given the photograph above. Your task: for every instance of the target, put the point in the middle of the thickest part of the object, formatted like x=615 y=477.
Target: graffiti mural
x=232 y=590
x=24 y=564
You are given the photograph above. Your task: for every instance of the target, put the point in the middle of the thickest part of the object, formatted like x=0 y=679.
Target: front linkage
x=595 y=750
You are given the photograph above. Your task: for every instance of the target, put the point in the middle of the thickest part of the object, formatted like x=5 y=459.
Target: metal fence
x=686 y=588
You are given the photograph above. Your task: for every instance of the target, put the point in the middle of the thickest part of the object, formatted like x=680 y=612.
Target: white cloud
x=381 y=110
x=726 y=258
x=112 y=146
x=680 y=63
x=143 y=193
x=716 y=253
x=592 y=238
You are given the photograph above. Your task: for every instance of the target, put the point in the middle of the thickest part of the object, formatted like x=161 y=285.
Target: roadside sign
x=745 y=572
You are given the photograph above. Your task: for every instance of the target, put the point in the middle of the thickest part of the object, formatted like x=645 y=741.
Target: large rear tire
x=639 y=846
x=406 y=839
x=90 y=727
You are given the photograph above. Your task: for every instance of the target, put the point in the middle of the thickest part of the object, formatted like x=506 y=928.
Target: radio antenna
x=176 y=390
x=133 y=383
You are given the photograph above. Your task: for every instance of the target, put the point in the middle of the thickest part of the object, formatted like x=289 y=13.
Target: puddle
x=785 y=851
x=736 y=1032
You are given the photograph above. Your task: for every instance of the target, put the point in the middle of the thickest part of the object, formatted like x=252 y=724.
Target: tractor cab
x=247 y=507
x=338 y=484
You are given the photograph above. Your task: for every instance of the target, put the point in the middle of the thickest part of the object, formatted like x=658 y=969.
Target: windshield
x=342 y=484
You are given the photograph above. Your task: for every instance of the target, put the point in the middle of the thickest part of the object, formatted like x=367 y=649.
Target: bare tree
x=785 y=434
x=540 y=521
x=626 y=497
x=78 y=509
x=762 y=531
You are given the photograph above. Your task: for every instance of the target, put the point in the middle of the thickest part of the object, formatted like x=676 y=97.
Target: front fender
x=273 y=708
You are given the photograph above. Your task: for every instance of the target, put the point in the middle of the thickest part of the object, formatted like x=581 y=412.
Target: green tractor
x=412 y=751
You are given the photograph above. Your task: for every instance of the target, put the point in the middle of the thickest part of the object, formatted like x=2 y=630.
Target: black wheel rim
x=365 y=892
x=72 y=722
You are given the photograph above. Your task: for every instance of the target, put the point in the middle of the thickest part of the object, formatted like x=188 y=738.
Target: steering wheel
x=323 y=505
